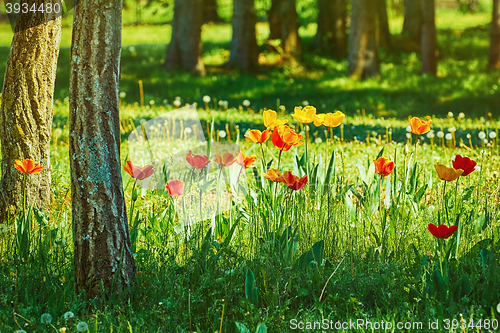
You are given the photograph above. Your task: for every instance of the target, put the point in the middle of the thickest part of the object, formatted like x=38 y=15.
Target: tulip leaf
x=420 y=193
x=240 y=328
x=315 y=253
x=251 y=292
x=262 y=328
x=466 y=286
x=387 y=200
x=380 y=153
x=362 y=171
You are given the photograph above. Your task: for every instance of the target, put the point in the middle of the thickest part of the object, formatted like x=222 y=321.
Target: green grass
x=464 y=84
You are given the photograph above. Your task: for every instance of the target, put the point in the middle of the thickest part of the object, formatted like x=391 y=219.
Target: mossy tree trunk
x=494 y=54
x=363 y=52
x=244 y=52
x=100 y=231
x=26 y=108
x=331 y=33
x=429 y=38
x=185 y=48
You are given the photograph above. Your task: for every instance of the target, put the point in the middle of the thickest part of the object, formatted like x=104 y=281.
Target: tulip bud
x=134 y=195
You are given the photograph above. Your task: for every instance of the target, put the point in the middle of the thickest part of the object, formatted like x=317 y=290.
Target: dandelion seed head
x=492 y=135
x=222 y=134
x=46 y=318
x=450 y=114
x=440 y=134
x=461 y=115
x=481 y=135
x=246 y=102
x=452 y=129
x=206 y=99
x=82 y=326
x=68 y=315
x=430 y=135
x=318 y=140
x=448 y=136
x=123 y=94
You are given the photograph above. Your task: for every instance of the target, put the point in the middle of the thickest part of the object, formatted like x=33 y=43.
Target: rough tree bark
x=101 y=238
x=210 y=13
x=412 y=24
x=383 y=31
x=244 y=52
x=284 y=25
x=494 y=54
x=429 y=38
x=331 y=34
x=26 y=108
x=363 y=53
x=185 y=48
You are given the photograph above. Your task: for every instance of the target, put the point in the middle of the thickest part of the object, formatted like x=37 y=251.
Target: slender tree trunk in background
x=244 y=52
x=100 y=231
x=27 y=107
x=331 y=33
x=363 y=53
x=383 y=31
x=494 y=54
x=284 y=25
x=412 y=24
x=429 y=38
x=274 y=19
x=185 y=48
x=210 y=11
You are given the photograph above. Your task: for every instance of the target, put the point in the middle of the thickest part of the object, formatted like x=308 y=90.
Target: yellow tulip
x=305 y=115
x=318 y=121
x=446 y=173
x=271 y=119
x=334 y=119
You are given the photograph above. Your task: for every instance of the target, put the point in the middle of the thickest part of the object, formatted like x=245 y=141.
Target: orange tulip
x=245 y=161
x=294 y=182
x=175 y=188
x=28 y=166
x=227 y=159
x=258 y=137
x=419 y=126
x=446 y=173
x=273 y=175
x=137 y=172
x=284 y=138
x=383 y=166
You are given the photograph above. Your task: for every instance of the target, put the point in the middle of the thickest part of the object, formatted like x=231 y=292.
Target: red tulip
x=465 y=164
x=383 y=166
x=442 y=231
x=175 y=188
x=197 y=161
x=294 y=182
x=227 y=159
x=138 y=172
x=28 y=166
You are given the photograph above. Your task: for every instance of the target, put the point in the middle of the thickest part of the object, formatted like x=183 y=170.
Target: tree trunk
x=274 y=19
x=284 y=25
x=244 y=53
x=26 y=108
x=210 y=11
x=363 y=53
x=331 y=34
x=100 y=231
x=412 y=24
x=429 y=38
x=383 y=31
x=494 y=55
x=185 y=48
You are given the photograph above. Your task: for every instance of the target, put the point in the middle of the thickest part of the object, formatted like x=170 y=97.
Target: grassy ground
x=383 y=262
x=463 y=84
